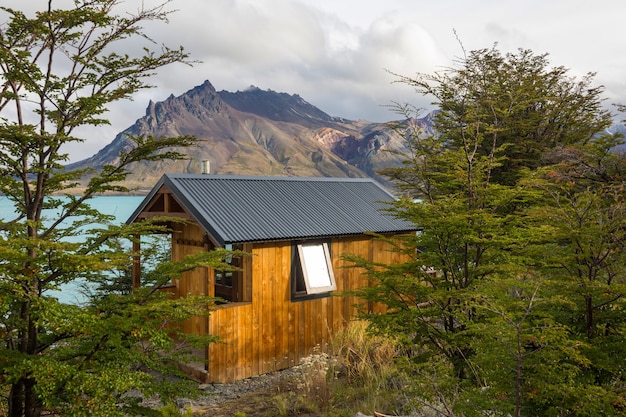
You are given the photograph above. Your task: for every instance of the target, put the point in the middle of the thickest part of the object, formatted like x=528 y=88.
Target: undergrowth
x=367 y=379
x=357 y=375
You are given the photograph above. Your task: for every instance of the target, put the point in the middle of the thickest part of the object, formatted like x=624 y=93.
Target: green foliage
x=171 y=410
x=515 y=287
x=512 y=107
x=59 y=71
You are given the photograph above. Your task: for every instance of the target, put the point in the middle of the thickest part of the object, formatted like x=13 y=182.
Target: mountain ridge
x=257 y=132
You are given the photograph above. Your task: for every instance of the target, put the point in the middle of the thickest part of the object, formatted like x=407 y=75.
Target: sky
x=341 y=55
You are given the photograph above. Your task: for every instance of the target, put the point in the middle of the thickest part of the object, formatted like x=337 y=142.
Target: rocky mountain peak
x=280 y=107
x=256 y=132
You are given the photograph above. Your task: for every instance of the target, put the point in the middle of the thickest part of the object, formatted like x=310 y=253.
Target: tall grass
x=366 y=377
x=365 y=357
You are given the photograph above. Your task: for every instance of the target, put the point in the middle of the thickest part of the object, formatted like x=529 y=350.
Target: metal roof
x=237 y=209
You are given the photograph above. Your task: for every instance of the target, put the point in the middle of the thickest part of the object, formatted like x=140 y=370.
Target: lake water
x=121 y=207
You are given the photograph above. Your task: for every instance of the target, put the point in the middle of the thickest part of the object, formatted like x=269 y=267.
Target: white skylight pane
x=317 y=268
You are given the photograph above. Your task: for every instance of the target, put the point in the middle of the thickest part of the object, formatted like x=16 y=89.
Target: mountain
x=257 y=132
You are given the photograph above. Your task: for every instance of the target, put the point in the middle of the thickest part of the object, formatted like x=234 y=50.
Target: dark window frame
x=227 y=283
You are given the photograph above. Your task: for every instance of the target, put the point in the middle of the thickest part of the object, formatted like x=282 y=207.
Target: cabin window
x=312 y=270
x=229 y=284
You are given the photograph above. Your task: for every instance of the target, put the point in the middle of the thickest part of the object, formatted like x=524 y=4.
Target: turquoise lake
x=121 y=207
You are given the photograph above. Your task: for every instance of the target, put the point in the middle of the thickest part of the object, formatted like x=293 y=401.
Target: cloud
x=337 y=54
x=296 y=48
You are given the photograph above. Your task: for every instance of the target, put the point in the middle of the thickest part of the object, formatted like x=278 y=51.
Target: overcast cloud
x=337 y=54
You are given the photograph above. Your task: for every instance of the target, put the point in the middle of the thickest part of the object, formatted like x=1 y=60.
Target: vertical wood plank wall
x=272 y=332
x=186 y=240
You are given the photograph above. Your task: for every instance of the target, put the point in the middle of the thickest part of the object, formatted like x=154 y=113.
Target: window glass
x=316 y=267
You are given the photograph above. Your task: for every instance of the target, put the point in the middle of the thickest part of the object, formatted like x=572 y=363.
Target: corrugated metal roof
x=236 y=209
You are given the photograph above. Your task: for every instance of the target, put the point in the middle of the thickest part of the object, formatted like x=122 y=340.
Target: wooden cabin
x=280 y=305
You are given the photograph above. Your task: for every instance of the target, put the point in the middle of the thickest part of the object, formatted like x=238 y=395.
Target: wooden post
x=136 y=270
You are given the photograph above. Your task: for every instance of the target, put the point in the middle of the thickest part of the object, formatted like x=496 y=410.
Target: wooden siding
x=272 y=332
x=187 y=239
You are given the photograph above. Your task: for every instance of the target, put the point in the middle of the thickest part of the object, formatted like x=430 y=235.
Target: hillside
x=257 y=132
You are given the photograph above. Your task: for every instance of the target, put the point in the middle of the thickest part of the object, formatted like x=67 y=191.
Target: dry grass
x=364 y=356
x=366 y=378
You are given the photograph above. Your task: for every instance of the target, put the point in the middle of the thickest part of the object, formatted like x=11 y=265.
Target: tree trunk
x=23 y=400
x=31 y=404
x=518 y=373
x=16 y=399
x=589 y=315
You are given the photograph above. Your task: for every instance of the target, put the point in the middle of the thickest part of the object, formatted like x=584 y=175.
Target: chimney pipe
x=206 y=166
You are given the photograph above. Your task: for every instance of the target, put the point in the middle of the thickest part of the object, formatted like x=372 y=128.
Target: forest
x=513 y=301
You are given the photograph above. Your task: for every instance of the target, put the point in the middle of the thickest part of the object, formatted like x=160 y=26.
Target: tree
x=586 y=259
x=513 y=106
x=494 y=295
x=59 y=70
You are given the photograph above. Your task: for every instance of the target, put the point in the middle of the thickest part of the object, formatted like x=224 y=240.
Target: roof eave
x=213 y=235
x=323 y=237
